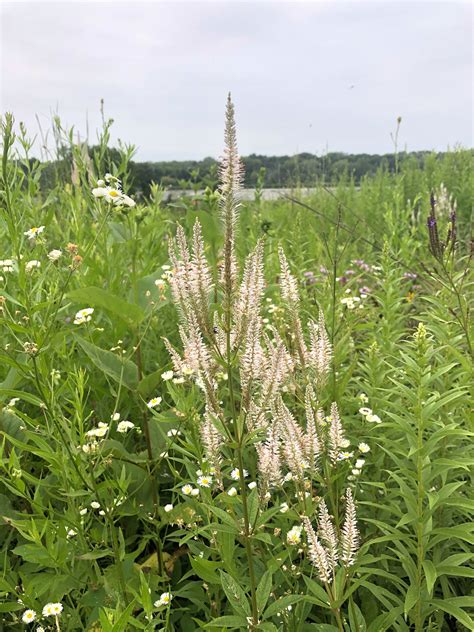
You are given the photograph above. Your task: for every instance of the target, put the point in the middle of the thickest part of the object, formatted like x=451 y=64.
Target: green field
x=297 y=386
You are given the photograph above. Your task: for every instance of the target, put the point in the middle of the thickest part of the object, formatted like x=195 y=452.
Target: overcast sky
x=305 y=76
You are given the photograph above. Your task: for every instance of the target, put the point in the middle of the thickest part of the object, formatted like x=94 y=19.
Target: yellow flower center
x=113 y=193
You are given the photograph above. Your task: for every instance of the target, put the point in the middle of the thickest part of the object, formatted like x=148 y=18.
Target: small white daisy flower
x=95 y=504
x=168 y=508
x=373 y=419
x=33 y=233
x=154 y=402
x=124 y=426
x=54 y=255
x=195 y=491
x=52 y=609
x=164 y=600
x=83 y=315
x=204 y=481
x=235 y=474
x=293 y=536
x=284 y=507
x=364 y=448
x=365 y=411
x=187 y=489
x=232 y=492
x=167 y=375
x=28 y=616
x=252 y=485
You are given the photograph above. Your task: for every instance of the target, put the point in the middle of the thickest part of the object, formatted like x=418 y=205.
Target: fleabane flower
x=235 y=474
x=124 y=426
x=168 y=508
x=167 y=375
x=364 y=448
x=365 y=411
x=204 y=481
x=28 y=616
x=164 y=600
x=33 y=233
x=154 y=402
x=83 y=316
x=54 y=255
x=187 y=489
x=34 y=264
x=52 y=609
x=373 y=419
x=293 y=537
x=232 y=492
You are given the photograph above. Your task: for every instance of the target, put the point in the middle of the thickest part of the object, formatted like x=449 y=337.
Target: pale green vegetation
x=121 y=495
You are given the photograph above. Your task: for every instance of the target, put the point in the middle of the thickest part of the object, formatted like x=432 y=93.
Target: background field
x=402 y=347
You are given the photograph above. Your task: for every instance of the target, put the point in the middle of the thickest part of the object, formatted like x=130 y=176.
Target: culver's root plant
x=274 y=519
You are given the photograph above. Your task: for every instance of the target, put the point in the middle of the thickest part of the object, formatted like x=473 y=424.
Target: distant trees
x=303 y=169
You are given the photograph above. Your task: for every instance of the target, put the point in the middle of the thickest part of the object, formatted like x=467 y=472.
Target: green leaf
x=119 y=369
x=96 y=297
x=450 y=606
x=206 y=569
x=430 y=575
x=263 y=590
x=281 y=604
x=230 y=621
x=356 y=619
x=235 y=594
x=411 y=597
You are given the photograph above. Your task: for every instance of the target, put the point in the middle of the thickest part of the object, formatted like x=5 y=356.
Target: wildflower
x=82 y=512
x=164 y=600
x=204 y=481
x=124 y=426
x=365 y=411
x=288 y=477
x=32 y=265
x=235 y=474
x=40 y=629
x=33 y=233
x=373 y=419
x=363 y=398
x=28 y=616
x=54 y=255
x=6 y=265
x=284 y=507
x=363 y=447
x=115 y=417
x=160 y=284
x=167 y=375
x=355 y=472
x=317 y=553
x=30 y=348
x=293 y=537
x=154 y=402
x=83 y=316
x=52 y=609
x=95 y=504
x=168 y=508
x=232 y=492
x=173 y=433
x=342 y=456
x=178 y=380
x=350 y=301
x=71 y=533
x=187 y=489
x=100 y=431
x=195 y=491
x=360 y=463
x=349 y=532
x=252 y=485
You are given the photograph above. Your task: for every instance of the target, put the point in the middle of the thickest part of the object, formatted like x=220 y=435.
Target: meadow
x=218 y=415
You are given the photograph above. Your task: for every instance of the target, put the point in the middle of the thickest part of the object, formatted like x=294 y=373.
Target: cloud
x=305 y=76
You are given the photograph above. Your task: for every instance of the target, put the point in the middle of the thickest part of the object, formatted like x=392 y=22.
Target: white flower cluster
x=112 y=191
x=83 y=316
x=49 y=610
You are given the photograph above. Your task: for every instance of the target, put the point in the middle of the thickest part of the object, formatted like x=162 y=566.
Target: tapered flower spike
x=290 y=295
x=212 y=442
x=320 y=352
x=327 y=533
x=312 y=442
x=317 y=553
x=231 y=176
x=349 y=532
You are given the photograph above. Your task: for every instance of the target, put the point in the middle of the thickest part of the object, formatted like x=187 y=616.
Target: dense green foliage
x=87 y=522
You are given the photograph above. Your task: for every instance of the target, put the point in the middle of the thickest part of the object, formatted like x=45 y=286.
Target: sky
x=304 y=76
